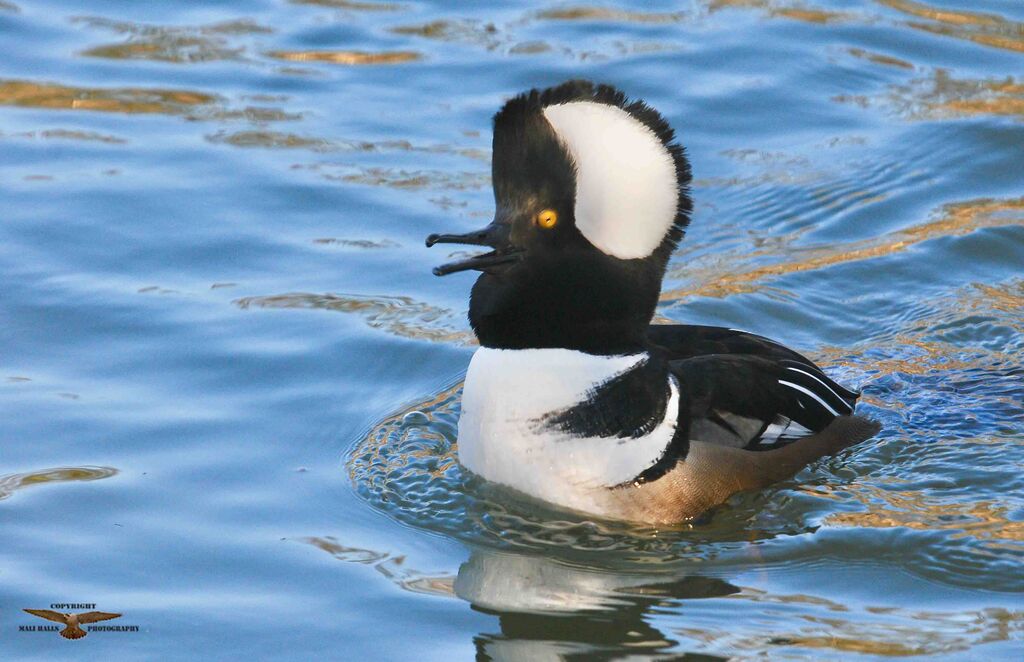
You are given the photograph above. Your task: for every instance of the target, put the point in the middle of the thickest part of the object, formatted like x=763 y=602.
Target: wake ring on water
x=407 y=467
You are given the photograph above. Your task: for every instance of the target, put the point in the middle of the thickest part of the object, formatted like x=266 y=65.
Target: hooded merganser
x=574 y=397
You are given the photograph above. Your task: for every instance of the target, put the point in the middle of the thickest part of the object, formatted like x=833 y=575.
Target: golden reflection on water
x=264 y=138
x=29 y=94
x=594 y=13
x=392 y=567
x=198 y=106
x=177 y=44
x=986 y=29
x=414 y=179
x=940 y=96
x=914 y=351
x=810 y=15
x=70 y=134
x=880 y=58
x=474 y=32
x=950 y=16
x=401 y=316
x=793 y=11
x=347 y=57
x=492 y=37
x=377 y=445
x=873 y=630
x=166 y=49
x=954 y=219
x=958 y=98
x=981 y=28
x=13 y=482
x=354 y=5
x=232 y=27
x=400 y=178
x=331 y=545
x=912 y=355
x=886 y=507
x=1006 y=298
x=271 y=140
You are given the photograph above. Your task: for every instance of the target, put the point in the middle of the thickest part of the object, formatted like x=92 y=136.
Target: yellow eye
x=547 y=219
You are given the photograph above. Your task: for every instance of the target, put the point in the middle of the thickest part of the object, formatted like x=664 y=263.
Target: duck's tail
x=712 y=472
x=842 y=432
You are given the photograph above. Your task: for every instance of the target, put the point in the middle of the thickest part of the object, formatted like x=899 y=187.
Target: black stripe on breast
x=629 y=405
x=675 y=452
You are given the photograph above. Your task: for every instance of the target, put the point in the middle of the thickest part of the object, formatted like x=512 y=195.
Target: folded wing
x=746 y=391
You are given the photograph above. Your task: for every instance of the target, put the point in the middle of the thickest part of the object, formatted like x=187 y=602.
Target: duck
x=573 y=396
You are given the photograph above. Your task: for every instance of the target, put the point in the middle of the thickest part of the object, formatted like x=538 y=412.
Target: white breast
x=502 y=436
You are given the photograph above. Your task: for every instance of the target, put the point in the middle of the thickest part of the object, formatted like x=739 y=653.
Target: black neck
x=599 y=337
x=576 y=306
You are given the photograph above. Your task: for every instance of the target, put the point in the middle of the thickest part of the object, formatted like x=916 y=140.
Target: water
x=229 y=383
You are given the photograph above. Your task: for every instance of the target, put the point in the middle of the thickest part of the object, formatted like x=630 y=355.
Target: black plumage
x=725 y=370
x=627 y=406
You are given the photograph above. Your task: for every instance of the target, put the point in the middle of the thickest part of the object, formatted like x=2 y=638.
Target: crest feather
x=632 y=178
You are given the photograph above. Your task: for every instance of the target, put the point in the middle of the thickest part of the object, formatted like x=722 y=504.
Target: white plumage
x=626 y=188
x=503 y=437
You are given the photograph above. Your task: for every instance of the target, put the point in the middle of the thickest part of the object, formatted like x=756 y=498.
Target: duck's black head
x=591 y=195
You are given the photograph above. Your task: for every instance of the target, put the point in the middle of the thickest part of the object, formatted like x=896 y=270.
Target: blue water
x=229 y=383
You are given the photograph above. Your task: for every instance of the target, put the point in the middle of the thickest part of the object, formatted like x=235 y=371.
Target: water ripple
x=987 y=29
x=11 y=483
x=401 y=316
x=406 y=466
x=192 y=105
x=941 y=95
x=354 y=5
x=954 y=219
x=175 y=44
x=347 y=57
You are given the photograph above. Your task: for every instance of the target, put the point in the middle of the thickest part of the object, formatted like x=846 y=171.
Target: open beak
x=495 y=235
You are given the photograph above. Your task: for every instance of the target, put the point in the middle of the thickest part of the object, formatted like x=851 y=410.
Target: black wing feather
x=728 y=373
x=628 y=406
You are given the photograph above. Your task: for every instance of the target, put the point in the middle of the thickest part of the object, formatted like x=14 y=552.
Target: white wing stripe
x=810 y=393
x=773 y=432
x=784 y=428
x=823 y=384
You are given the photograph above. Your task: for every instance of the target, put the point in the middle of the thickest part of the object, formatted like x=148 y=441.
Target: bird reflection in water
x=551 y=609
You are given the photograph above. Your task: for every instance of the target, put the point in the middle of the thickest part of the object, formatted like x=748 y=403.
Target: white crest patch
x=626 y=188
x=508 y=392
